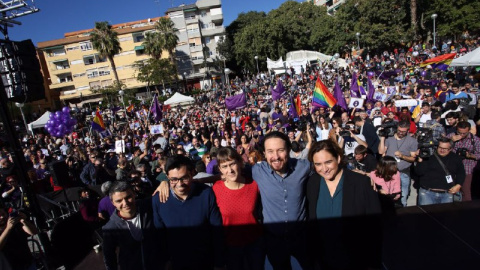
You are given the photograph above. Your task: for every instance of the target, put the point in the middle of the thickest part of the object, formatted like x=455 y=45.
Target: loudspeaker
x=59 y=171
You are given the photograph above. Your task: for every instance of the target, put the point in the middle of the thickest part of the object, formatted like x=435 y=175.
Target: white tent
x=469 y=59
x=40 y=122
x=179 y=99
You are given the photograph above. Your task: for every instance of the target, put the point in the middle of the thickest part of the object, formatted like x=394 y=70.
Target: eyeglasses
x=184 y=179
x=443 y=148
x=43 y=163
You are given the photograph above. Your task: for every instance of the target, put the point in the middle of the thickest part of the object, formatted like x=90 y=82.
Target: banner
x=406 y=102
x=120 y=146
x=356 y=103
x=156 y=129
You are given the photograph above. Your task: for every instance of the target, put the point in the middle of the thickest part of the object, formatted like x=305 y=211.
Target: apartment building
x=332 y=5
x=200 y=27
x=74 y=68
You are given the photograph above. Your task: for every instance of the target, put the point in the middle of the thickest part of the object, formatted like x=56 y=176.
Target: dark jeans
x=249 y=257
x=280 y=248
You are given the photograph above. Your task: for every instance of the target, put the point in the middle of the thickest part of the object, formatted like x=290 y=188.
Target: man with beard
x=403 y=148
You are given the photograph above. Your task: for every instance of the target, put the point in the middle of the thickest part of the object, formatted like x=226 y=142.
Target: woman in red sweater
x=238 y=199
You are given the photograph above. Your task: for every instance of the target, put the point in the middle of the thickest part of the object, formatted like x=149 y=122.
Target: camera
x=353 y=164
x=388 y=129
x=302 y=125
x=426 y=144
x=462 y=152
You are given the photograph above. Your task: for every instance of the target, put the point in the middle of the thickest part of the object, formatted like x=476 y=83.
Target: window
x=86 y=46
x=73 y=48
x=138 y=37
x=203 y=13
x=207 y=40
x=63 y=79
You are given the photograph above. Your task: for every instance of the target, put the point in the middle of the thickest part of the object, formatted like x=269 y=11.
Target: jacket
x=353 y=241
x=149 y=253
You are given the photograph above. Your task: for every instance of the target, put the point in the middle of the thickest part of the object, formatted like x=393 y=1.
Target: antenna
x=9 y=10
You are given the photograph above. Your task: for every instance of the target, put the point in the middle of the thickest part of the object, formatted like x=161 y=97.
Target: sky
x=57 y=17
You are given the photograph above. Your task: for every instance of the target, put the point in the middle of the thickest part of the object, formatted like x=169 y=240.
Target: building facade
x=332 y=5
x=74 y=68
x=200 y=28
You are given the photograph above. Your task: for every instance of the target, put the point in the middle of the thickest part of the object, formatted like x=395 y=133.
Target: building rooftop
x=181 y=7
x=84 y=35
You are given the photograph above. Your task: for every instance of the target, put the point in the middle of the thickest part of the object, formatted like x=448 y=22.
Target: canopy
x=179 y=99
x=469 y=59
x=40 y=122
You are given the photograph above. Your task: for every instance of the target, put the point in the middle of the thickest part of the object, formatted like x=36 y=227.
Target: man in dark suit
x=346 y=229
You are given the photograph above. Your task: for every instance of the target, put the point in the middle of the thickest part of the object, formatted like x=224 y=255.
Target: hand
x=163 y=191
x=456 y=138
x=11 y=222
x=454 y=189
x=398 y=154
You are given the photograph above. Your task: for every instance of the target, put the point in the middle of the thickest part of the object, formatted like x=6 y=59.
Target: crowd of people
x=235 y=187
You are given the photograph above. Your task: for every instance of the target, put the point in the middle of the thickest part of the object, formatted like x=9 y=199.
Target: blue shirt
x=329 y=206
x=452 y=96
x=283 y=198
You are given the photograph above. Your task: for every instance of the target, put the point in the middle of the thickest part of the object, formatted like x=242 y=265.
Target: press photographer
x=467 y=146
x=403 y=148
x=363 y=162
x=388 y=128
x=440 y=176
x=350 y=138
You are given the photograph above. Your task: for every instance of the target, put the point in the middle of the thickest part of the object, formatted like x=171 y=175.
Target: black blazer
x=354 y=240
x=359 y=198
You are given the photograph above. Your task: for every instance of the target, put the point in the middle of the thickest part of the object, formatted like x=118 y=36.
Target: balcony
x=193 y=33
x=198 y=61
x=58 y=85
x=191 y=20
x=197 y=48
x=214 y=31
x=217 y=19
x=208 y=3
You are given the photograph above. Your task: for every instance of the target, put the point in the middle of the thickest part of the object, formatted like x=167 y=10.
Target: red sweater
x=238 y=209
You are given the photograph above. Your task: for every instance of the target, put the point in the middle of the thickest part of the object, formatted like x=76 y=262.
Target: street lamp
x=256 y=59
x=434 y=16
x=20 y=106
x=358 y=39
x=121 y=93
x=227 y=81
x=336 y=56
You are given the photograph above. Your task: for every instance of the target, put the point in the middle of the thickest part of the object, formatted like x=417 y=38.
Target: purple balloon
x=58 y=114
x=423 y=73
x=370 y=74
x=66 y=110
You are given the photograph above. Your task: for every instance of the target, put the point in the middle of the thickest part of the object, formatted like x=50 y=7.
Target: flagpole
x=151 y=103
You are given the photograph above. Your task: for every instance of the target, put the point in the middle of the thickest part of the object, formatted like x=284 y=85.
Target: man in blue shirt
x=281 y=181
x=456 y=93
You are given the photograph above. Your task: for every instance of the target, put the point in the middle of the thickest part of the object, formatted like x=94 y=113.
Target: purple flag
x=338 y=94
x=235 y=102
x=362 y=90
x=278 y=91
x=354 y=86
x=371 y=90
x=292 y=111
x=156 y=109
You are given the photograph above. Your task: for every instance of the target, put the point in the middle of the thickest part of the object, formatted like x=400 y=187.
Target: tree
x=155 y=71
x=153 y=45
x=167 y=35
x=106 y=42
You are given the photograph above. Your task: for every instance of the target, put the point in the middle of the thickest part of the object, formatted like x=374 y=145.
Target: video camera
x=426 y=144
x=353 y=164
x=388 y=129
x=345 y=132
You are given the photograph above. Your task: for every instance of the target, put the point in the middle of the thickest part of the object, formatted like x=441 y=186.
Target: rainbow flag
x=441 y=62
x=321 y=96
x=130 y=108
x=97 y=123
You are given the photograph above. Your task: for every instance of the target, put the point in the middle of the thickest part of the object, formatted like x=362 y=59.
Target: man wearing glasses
x=191 y=218
x=436 y=186
x=403 y=148
x=467 y=146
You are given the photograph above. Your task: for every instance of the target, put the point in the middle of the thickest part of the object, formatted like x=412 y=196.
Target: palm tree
x=106 y=42
x=153 y=45
x=167 y=34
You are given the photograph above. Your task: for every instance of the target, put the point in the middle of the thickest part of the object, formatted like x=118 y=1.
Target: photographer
x=403 y=148
x=364 y=162
x=368 y=131
x=467 y=146
x=440 y=175
x=438 y=131
x=350 y=138
x=14 y=230
x=297 y=151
